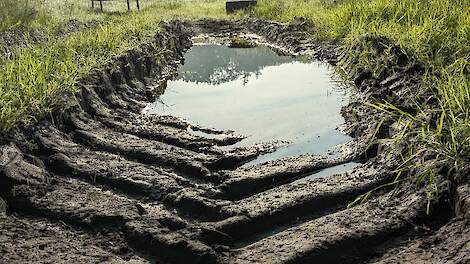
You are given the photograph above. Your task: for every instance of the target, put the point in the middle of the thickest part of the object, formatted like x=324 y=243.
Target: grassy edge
x=32 y=81
x=435 y=140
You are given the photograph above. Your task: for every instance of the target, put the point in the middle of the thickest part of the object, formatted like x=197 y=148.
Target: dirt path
x=102 y=183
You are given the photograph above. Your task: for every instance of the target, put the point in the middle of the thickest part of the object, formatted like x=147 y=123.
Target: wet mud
x=98 y=182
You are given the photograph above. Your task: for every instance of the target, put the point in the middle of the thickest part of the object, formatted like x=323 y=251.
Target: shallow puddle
x=258 y=93
x=329 y=171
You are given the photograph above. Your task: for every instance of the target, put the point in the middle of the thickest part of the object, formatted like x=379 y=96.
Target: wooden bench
x=101 y=4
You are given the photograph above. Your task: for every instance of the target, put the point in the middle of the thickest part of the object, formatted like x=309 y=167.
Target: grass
x=433 y=33
x=238 y=42
x=48 y=13
x=14 y=13
x=32 y=81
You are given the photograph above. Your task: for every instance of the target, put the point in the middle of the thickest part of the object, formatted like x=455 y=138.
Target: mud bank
x=99 y=182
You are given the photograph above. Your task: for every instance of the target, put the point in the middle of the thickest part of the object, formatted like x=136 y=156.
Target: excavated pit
x=101 y=182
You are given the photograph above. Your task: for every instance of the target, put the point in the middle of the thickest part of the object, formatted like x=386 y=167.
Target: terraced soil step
x=334 y=238
x=290 y=204
x=148 y=227
x=450 y=244
x=29 y=240
x=244 y=182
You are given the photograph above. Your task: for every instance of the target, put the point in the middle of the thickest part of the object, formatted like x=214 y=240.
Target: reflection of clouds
x=216 y=64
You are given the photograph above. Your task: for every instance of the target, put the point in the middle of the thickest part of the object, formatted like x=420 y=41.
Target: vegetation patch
x=433 y=34
x=238 y=42
x=34 y=78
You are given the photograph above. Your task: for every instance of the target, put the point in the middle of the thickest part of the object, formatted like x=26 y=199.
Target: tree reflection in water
x=217 y=64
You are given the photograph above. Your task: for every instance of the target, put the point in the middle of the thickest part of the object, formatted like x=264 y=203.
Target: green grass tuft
x=238 y=42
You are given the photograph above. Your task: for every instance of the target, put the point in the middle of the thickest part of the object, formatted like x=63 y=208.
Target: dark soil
x=99 y=182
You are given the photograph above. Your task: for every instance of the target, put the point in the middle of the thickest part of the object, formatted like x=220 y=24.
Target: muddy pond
x=261 y=94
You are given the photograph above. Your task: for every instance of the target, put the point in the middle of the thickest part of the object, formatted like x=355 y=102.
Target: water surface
x=259 y=93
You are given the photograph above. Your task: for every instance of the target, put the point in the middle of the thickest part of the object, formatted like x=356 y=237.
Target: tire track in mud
x=124 y=187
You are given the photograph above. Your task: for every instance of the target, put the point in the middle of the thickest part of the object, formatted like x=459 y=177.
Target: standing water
x=258 y=93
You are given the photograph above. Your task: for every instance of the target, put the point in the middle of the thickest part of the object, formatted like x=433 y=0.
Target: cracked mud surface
x=105 y=184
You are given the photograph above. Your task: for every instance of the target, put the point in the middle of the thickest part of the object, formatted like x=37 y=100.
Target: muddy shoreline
x=118 y=187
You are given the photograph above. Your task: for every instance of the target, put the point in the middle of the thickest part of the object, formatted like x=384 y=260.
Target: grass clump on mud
x=432 y=33
x=38 y=73
x=238 y=42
